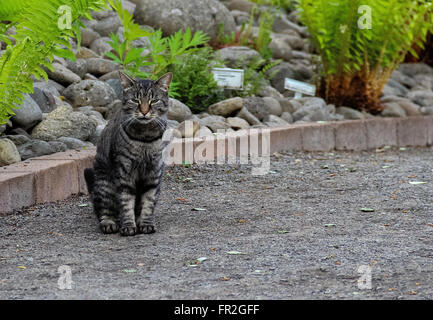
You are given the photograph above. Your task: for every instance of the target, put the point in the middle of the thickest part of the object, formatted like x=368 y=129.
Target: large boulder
x=8 y=152
x=63 y=122
x=172 y=15
x=35 y=148
x=233 y=56
x=28 y=113
x=226 y=107
x=178 y=111
x=90 y=92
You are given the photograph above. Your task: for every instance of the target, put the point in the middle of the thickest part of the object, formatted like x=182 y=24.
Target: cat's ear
x=126 y=80
x=165 y=81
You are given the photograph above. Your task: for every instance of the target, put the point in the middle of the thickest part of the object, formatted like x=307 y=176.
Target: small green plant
x=256 y=75
x=244 y=36
x=287 y=5
x=359 y=51
x=161 y=53
x=196 y=85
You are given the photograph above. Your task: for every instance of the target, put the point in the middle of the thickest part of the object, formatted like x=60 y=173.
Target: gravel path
x=300 y=229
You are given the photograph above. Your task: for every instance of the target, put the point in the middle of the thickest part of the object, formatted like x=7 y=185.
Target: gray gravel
x=300 y=227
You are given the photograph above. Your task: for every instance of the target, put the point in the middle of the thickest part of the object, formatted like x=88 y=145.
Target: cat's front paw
x=108 y=226
x=128 y=230
x=145 y=228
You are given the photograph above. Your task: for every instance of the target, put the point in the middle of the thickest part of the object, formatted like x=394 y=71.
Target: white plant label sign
x=299 y=87
x=229 y=78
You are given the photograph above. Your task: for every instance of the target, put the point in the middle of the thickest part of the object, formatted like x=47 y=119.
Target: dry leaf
x=225 y=278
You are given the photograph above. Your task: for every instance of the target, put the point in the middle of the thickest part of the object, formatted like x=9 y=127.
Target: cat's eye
x=134 y=101
x=154 y=102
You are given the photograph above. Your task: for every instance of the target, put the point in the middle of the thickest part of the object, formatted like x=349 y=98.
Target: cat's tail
x=89 y=176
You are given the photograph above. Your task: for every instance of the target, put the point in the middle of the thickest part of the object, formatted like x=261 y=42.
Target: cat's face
x=146 y=100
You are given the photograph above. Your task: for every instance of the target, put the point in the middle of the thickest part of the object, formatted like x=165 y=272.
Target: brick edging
x=60 y=175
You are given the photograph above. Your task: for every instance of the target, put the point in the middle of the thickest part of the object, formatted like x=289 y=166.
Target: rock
x=400 y=89
x=412 y=69
x=314 y=109
x=107 y=25
x=349 y=113
x=280 y=49
x=240 y=17
x=410 y=108
x=117 y=87
x=269 y=91
x=89 y=92
x=423 y=82
x=44 y=99
x=226 y=107
x=99 y=66
x=295 y=42
x=423 y=98
x=34 y=148
x=112 y=108
x=203 y=132
x=110 y=75
x=89 y=76
x=426 y=111
x=187 y=128
x=286 y=116
x=72 y=143
x=214 y=123
x=51 y=86
x=8 y=152
x=100 y=46
x=172 y=124
x=275 y=119
x=301 y=55
x=18 y=139
x=393 y=109
x=403 y=79
x=177 y=110
x=63 y=122
x=280 y=72
x=281 y=24
x=256 y=106
x=237 y=123
x=57 y=146
x=289 y=105
x=2 y=128
x=233 y=56
x=241 y=5
x=172 y=15
x=86 y=53
x=248 y=116
x=28 y=114
x=273 y=106
x=79 y=67
x=88 y=35
x=62 y=74
x=19 y=131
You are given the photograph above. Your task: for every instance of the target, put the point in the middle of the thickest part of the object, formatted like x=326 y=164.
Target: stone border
x=58 y=176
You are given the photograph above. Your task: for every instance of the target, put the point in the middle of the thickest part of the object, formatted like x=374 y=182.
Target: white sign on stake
x=229 y=78
x=299 y=87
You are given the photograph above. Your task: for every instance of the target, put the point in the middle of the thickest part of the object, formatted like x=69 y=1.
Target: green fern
x=38 y=38
x=357 y=62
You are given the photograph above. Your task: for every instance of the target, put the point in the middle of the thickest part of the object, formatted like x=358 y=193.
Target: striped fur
x=125 y=181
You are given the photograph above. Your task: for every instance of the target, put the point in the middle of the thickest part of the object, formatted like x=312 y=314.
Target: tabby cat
x=125 y=180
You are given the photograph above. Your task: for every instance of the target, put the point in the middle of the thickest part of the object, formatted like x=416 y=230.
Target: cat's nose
x=145 y=108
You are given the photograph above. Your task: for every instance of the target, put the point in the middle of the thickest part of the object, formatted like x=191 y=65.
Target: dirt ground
x=317 y=226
